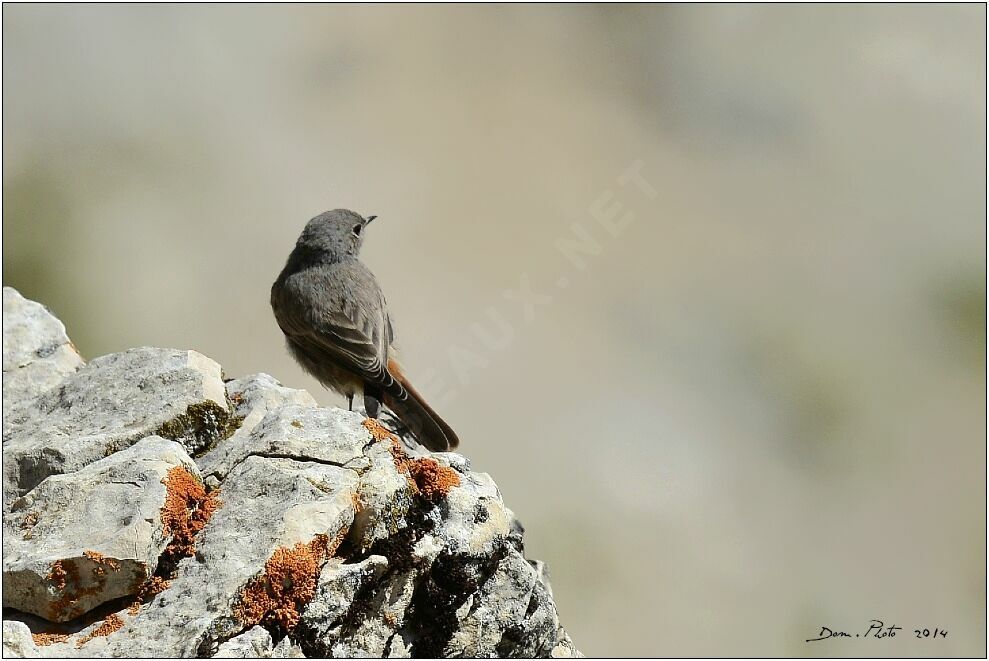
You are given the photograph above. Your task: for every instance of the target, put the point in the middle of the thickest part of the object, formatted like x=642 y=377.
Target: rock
x=253 y=396
x=110 y=404
x=496 y=613
x=37 y=354
x=267 y=504
x=17 y=640
x=287 y=649
x=477 y=522
x=328 y=436
x=457 y=462
x=565 y=649
x=252 y=644
x=386 y=609
x=306 y=526
x=81 y=539
x=338 y=585
x=385 y=495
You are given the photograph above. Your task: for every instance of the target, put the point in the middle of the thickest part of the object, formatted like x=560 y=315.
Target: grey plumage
x=335 y=320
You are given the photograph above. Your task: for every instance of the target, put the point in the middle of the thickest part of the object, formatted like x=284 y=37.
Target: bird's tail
x=410 y=407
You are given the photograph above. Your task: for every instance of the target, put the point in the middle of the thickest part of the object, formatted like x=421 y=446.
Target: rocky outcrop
x=153 y=508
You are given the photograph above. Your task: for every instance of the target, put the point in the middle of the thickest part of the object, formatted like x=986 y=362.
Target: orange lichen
x=57 y=574
x=377 y=430
x=402 y=461
x=433 y=480
x=288 y=583
x=101 y=559
x=111 y=623
x=186 y=511
x=65 y=578
x=426 y=476
x=152 y=588
x=45 y=639
x=102 y=562
x=147 y=591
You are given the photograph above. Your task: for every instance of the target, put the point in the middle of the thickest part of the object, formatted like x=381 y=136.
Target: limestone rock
x=37 y=354
x=303 y=432
x=287 y=649
x=323 y=535
x=109 y=404
x=339 y=584
x=267 y=504
x=255 y=395
x=252 y=644
x=17 y=641
x=81 y=539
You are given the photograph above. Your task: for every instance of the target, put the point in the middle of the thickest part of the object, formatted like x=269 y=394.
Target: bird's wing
x=389 y=331
x=335 y=312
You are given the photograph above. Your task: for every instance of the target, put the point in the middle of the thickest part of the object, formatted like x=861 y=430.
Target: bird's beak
x=367 y=221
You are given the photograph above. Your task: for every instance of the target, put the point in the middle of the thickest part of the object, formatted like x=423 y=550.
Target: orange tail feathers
x=427 y=426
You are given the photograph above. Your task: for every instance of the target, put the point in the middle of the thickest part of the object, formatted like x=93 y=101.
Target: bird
x=335 y=319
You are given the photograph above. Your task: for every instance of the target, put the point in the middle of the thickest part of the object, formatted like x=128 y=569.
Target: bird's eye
x=357 y=230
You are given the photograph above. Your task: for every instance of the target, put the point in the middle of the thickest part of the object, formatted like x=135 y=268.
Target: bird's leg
x=350 y=402
x=372 y=400
x=371 y=405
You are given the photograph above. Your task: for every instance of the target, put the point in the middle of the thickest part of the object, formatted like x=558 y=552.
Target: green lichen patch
x=201 y=427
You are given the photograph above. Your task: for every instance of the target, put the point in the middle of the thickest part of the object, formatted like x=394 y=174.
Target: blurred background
x=759 y=406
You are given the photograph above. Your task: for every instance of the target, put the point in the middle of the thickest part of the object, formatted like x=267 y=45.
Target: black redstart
x=335 y=319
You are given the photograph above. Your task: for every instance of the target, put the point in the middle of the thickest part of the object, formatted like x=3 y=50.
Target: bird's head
x=338 y=233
